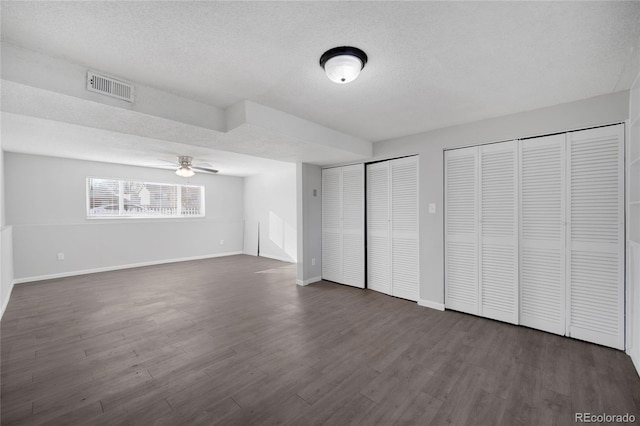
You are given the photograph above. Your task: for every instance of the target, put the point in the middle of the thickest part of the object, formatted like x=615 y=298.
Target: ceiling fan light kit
x=343 y=64
x=185 y=169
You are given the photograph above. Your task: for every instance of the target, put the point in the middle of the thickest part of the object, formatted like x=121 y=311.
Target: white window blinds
x=117 y=198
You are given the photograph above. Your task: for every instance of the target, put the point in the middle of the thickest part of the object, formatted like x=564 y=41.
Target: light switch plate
x=432 y=208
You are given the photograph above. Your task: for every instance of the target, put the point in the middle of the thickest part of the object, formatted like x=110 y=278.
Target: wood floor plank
x=341 y=395
x=274 y=410
x=73 y=415
x=444 y=379
x=209 y=392
x=554 y=409
x=420 y=411
x=152 y=391
x=328 y=381
x=630 y=377
x=457 y=408
x=556 y=375
x=16 y=414
x=394 y=404
x=616 y=399
x=57 y=403
x=585 y=385
x=214 y=414
x=486 y=409
x=233 y=340
x=352 y=413
x=275 y=387
x=145 y=414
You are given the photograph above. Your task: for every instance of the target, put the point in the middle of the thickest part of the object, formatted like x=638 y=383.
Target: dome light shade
x=343 y=64
x=343 y=69
x=185 y=171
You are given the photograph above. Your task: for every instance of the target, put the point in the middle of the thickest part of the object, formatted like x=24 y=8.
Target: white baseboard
x=118 y=267
x=429 y=304
x=281 y=258
x=309 y=281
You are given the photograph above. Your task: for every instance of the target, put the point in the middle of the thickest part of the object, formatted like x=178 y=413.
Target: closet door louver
x=378 y=228
x=498 y=263
x=353 y=225
x=332 y=224
x=595 y=262
x=461 y=205
x=404 y=228
x=542 y=233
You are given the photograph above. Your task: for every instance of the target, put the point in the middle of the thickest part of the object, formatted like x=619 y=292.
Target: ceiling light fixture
x=185 y=169
x=343 y=64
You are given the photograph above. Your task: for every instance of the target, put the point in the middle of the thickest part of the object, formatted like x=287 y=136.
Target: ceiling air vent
x=109 y=86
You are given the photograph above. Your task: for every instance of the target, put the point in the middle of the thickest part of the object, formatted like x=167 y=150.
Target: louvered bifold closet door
x=353 y=226
x=542 y=233
x=595 y=260
x=461 y=229
x=332 y=224
x=405 y=270
x=498 y=263
x=378 y=228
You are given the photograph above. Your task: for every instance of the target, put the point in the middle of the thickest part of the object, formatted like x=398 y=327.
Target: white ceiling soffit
x=254 y=135
x=31 y=135
x=431 y=64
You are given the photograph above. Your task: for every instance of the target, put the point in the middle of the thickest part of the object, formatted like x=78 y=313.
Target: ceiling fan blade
x=166 y=164
x=204 y=169
x=203 y=165
x=169 y=163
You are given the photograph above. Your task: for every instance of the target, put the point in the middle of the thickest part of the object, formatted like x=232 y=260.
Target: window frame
x=120 y=181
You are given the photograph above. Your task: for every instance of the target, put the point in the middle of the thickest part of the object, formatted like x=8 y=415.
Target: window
x=114 y=198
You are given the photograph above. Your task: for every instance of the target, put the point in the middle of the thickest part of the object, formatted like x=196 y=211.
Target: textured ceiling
x=431 y=64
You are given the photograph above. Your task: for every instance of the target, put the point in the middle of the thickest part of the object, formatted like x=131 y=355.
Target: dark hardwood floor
x=234 y=341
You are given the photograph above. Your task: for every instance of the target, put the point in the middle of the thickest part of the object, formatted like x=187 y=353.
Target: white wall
x=6 y=246
x=46 y=206
x=605 y=109
x=270 y=200
x=309 y=207
x=633 y=226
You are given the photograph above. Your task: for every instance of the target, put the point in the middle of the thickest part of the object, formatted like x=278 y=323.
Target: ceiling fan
x=185 y=167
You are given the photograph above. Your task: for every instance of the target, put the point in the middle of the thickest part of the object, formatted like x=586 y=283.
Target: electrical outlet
x=221 y=242
x=60 y=256
x=313 y=262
